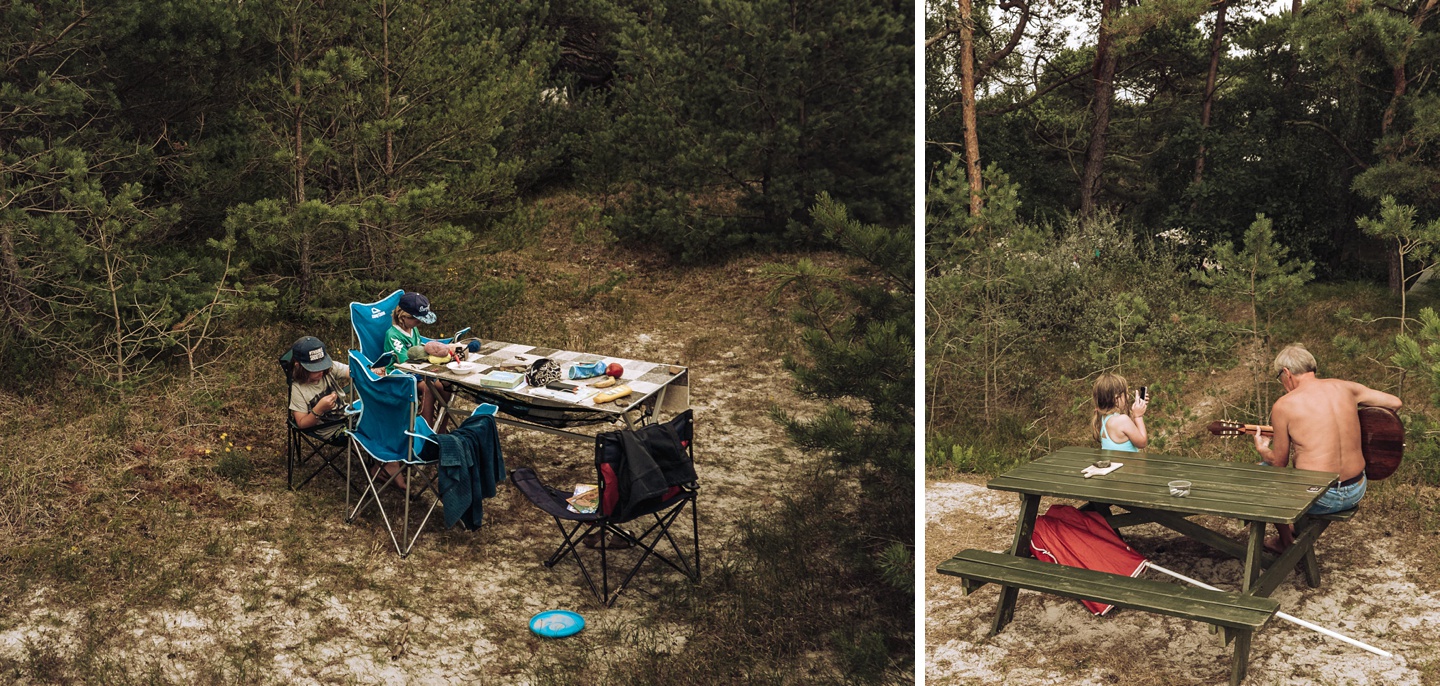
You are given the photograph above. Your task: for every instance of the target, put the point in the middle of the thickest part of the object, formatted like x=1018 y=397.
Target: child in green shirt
x=404 y=332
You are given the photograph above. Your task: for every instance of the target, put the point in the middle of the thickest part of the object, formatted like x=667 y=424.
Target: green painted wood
x=1240 y=663
x=1254 y=548
x=1276 y=573
x=1217 y=541
x=1308 y=563
x=1127 y=519
x=1233 y=610
x=1341 y=516
x=1025 y=526
x=1227 y=489
x=1251 y=476
x=1019 y=548
x=1217 y=480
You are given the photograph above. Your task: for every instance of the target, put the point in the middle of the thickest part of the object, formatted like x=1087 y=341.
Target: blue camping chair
x=370 y=321
x=389 y=430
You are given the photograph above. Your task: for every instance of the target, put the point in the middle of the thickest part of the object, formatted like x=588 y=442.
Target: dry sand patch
x=299 y=596
x=1370 y=590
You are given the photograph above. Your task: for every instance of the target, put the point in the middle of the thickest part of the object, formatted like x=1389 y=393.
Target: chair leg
x=290 y=438
x=569 y=546
x=410 y=476
x=695 y=533
x=297 y=445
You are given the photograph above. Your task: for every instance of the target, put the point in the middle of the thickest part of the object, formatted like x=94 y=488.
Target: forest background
x=188 y=185
x=1173 y=191
x=1173 y=200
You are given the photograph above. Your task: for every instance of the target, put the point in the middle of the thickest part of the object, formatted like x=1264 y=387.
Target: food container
x=499 y=379
x=1179 y=488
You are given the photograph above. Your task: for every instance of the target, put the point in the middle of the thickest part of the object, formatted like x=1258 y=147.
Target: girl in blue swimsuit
x=1118 y=423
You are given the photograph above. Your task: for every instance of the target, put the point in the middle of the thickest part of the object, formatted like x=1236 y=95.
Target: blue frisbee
x=557 y=623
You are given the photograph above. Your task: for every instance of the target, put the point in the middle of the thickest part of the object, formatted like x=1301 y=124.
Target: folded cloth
x=471 y=466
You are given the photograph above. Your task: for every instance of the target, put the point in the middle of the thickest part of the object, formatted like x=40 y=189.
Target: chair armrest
x=485 y=409
x=428 y=438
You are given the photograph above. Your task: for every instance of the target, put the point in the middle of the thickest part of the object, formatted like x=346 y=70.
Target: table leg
x=1312 y=566
x=660 y=402
x=1024 y=527
x=1304 y=545
x=1254 y=548
x=1241 y=661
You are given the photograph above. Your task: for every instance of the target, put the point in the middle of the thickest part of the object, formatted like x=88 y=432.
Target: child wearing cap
x=317 y=394
x=414 y=310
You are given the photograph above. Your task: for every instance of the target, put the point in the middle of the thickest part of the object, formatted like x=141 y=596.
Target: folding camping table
x=653 y=389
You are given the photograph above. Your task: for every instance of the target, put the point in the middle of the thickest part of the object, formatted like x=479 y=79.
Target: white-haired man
x=1317 y=417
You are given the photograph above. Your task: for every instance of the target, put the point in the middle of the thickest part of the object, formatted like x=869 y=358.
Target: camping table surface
x=1255 y=494
x=651 y=383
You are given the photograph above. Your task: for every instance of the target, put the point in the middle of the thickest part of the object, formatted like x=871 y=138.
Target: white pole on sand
x=1289 y=618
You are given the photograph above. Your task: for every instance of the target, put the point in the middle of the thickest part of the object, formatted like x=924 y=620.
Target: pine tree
x=731 y=115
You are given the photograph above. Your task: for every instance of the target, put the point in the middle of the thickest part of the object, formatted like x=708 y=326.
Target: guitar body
x=1382 y=439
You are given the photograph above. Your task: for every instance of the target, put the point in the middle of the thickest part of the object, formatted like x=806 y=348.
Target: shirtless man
x=1318 y=418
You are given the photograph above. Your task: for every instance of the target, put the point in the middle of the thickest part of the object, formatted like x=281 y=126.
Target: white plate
x=462 y=366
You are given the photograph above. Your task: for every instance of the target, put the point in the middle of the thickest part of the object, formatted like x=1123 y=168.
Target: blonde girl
x=1118 y=423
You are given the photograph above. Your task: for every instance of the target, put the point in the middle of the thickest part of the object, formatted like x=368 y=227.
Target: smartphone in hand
x=1144 y=393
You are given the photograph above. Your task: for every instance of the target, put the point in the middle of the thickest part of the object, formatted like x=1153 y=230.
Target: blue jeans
x=1339 y=498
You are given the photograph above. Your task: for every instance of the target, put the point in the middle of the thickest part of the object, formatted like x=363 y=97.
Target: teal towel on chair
x=471 y=467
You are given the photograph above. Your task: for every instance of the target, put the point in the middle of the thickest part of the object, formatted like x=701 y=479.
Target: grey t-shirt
x=304 y=396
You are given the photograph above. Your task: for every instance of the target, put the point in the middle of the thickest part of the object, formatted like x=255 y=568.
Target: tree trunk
x=967 y=98
x=1396 y=276
x=298 y=164
x=1105 y=61
x=389 y=132
x=1400 y=79
x=1216 y=42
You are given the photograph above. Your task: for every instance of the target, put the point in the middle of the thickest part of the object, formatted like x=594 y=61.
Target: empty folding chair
x=646 y=479
x=320 y=446
x=388 y=431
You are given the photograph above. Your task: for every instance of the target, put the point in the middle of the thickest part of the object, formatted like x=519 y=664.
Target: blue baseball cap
x=417 y=306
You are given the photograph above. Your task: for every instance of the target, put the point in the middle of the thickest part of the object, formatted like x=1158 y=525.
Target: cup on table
x=1179 y=488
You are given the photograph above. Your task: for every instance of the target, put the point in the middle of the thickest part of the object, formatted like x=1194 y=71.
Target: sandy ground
x=1370 y=590
x=299 y=596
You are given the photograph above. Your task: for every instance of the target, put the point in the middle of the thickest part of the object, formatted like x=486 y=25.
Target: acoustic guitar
x=1382 y=438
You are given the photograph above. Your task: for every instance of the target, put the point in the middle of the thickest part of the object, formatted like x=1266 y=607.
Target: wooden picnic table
x=1254 y=494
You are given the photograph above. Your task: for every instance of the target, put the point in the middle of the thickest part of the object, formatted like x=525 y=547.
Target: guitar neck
x=1262 y=429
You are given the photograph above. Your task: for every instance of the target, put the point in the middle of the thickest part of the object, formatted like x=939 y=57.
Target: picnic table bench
x=1238 y=614
x=1254 y=494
